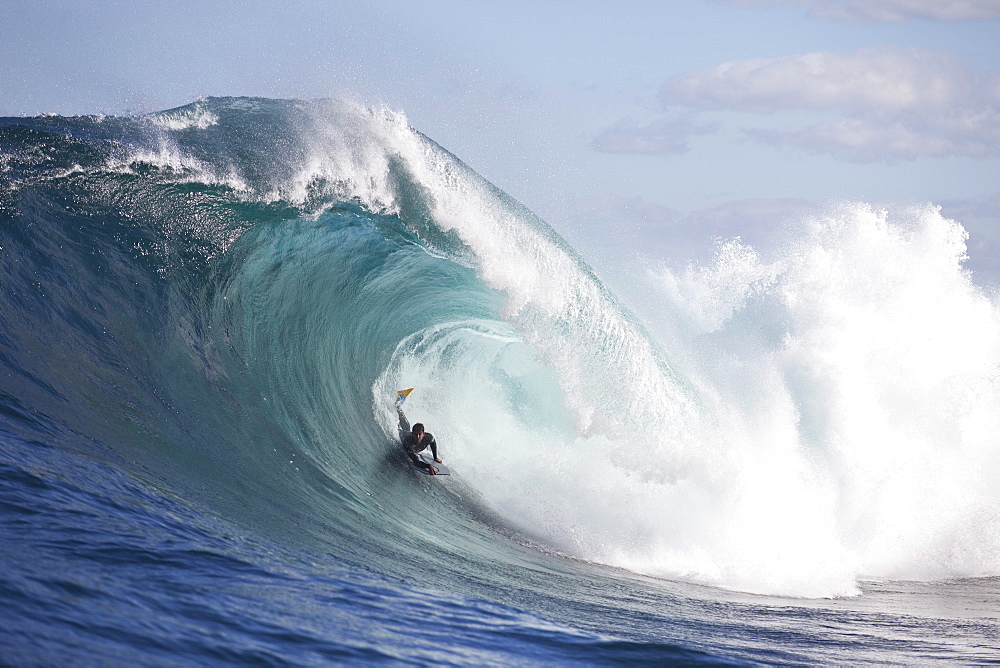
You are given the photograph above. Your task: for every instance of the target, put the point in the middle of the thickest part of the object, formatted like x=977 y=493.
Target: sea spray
x=863 y=361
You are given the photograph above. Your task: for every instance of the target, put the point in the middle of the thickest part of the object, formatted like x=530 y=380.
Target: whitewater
x=781 y=455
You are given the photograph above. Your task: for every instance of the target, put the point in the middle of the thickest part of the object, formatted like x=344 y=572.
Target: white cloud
x=893 y=11
x=894 y=103
x=903 y=10
x=659 y=137
x=866 y=140
x=873 y=79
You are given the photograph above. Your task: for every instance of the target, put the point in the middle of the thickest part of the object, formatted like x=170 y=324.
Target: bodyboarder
x=415 y=441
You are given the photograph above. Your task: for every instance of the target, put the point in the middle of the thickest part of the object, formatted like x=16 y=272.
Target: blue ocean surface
x=205 y=314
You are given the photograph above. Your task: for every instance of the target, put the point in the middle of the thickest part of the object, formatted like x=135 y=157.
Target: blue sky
x=638 y=126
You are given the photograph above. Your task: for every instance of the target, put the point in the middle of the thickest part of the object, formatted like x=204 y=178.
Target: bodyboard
x=427 y=459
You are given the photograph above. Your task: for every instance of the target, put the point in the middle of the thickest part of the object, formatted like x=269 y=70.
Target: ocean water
x=792 y=457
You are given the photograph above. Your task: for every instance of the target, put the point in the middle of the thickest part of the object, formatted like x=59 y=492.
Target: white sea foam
x=347 y=154
x=167 y=157
x=193 y=117
x=857 y=376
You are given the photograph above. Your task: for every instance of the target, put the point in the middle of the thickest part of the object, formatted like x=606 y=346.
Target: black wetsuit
x=410 y=443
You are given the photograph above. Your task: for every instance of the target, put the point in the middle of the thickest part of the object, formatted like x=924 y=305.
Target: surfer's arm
x=419 y=463
x=404 y=424
x=434 y=450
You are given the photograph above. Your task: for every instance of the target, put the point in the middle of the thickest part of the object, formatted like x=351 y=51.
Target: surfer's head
x=418 y=429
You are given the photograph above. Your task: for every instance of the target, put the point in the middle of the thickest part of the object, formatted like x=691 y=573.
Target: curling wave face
x=223 y=298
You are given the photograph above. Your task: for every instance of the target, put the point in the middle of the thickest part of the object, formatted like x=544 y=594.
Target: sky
x=630 y=126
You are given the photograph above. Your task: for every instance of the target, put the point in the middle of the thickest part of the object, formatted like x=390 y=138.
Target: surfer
x=415 y=441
